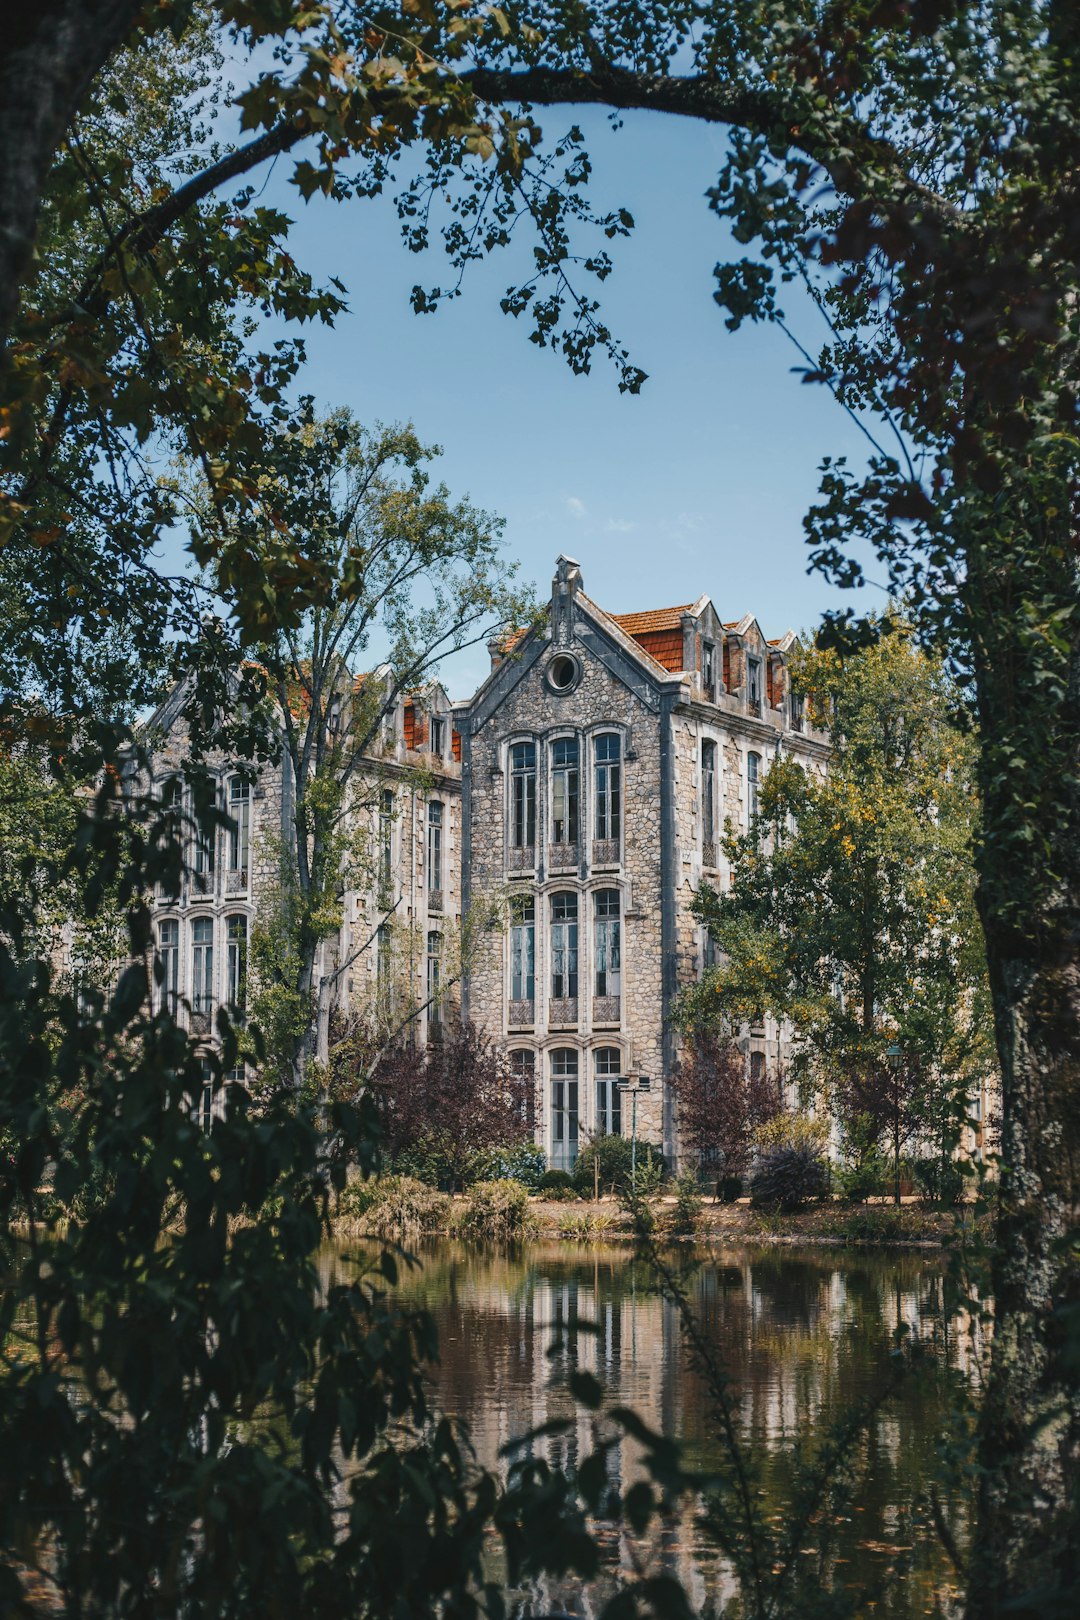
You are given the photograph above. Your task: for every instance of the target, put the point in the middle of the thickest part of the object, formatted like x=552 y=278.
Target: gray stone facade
x=574 y=803
x=586 y=688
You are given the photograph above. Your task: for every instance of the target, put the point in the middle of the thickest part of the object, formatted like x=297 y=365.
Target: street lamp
x=633 y=1085
x=895 y=1057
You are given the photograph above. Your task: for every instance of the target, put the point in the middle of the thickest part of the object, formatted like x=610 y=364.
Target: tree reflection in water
x=804 y=1335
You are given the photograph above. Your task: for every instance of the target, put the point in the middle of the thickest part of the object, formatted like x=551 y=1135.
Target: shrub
x=613 y=1155
x=882 y=1223
x=587 y=1224
x=728 y=1188
x=524 y=1162
x=555 y=1181
x=870 y=1176
x=496 y=1212
x=787 y=1178
x=941 y=1180
x=687 y=1210
x=792 y=1131
x=394 y=1207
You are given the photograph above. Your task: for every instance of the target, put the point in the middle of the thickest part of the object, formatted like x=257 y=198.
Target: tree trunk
x=1028 y=678
x=50 y=53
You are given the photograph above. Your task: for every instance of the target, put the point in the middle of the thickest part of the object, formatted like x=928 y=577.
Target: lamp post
x=895 y=1057
x=632 y=1085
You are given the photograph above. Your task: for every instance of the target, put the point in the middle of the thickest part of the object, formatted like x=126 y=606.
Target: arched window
x=708 y=802
x=523 y=1085
x=564 y=791
x=753 y=782
x=240 y=823
x=607 y=943
x=608 y=787
x=434 y=971
x=168 y=955
x=522 y=795
x=434 y=847
x=607 y=1066
x=236 y=931
x=564 y=1107
x=564 y=946
x=202 y=965
x=386 y=845
x=523 y=948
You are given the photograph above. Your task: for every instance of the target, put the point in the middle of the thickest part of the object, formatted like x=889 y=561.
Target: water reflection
x=804 y=1335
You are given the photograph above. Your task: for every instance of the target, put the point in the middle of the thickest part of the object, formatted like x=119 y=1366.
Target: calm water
x=803 y=1335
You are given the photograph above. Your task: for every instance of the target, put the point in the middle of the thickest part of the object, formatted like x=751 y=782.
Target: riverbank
x=912 y=1225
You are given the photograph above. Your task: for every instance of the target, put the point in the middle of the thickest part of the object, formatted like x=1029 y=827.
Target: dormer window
x=796 y=710
x=438 y=735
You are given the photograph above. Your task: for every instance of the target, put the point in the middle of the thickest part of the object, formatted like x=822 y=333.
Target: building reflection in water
x=803 y=1335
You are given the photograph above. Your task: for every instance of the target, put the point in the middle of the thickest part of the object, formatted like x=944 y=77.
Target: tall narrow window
x=753 y=781
x=708 y=670
x=434 y=970
x=607 y=943
x=708 y=802
x=172 y=797
x=564 y=1107
x=564 y=946
x=438 y=735
x=753 y=685
x=386 y=844
x=203 y=1113
x=795 y=706
x=205 y=840
x=168 y=954
x=434 y=847
x=523 y=1086
x=382 y=968
x=202 y=965
x=523 y=948
x=608 y=1066
x=236 y=960
x=608 y=787
x=564 y=791
x=522 y=795
x=240 y=817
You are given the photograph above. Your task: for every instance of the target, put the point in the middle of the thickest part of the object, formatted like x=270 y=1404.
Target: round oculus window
x=563 y=672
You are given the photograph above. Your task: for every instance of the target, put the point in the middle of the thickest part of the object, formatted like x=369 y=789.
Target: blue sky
x=699 y=484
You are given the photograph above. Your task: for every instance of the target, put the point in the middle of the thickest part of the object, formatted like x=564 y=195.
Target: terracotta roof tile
x=635 y=624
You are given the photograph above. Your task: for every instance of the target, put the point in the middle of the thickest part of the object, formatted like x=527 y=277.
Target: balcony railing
x=522 y=859
x=562 y=856
x=606 y=1009
x=236 y=880
x=562 y=1011
x=605 y=852
x=708 y=854
x=434 y=899
x=522 y=1013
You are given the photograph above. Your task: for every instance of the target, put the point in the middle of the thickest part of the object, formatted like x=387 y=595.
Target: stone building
x=397 y=926
x=600 y=760
x=582 y=793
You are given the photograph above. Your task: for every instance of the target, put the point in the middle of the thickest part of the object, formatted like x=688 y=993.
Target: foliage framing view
x=911 y=162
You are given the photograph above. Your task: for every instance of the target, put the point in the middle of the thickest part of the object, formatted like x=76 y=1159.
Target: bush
x=394 y=1207
x=613 y=1155
x=587 y=1225
x=687 y=1210
x=787 y=1130
x=882 y=1223
x=555 y=1181
x=788 y=1178
x=940 y=1180
x=496 y=1212
x=871 y=1176
x=525 y=1162
x=728 y=1188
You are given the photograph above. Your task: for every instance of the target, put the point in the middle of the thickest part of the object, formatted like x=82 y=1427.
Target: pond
x=804 y=1335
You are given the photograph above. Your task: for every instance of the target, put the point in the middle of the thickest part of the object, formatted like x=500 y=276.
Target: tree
x=395 y=558
x=851 y=907
x=438 y=1109
x=719 y=1100
x=912 y=164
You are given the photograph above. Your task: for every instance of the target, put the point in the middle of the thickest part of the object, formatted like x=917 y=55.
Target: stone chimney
x=564 y=587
